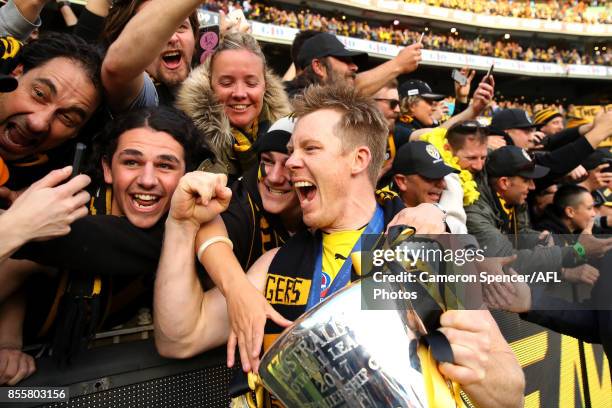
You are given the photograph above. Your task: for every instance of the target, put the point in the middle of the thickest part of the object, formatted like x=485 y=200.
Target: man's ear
x=108 y=174
x=18 y=71
x=318 y=68
x=569 y=212
x=400 y=181
x=361 y=160
x=447 y=147
x=503 y=183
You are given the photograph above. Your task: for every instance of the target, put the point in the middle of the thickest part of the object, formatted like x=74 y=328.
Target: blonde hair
x=361 y=123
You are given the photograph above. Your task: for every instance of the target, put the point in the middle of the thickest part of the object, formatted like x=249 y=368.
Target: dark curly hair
x=162 y=119
x=61 y=45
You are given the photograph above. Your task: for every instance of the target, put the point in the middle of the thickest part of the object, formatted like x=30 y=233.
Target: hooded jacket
x=197 y=99
x=489 y=224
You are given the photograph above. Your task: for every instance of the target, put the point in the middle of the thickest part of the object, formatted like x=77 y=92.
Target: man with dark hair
x=387 y=101
x=59 y=88
x=150 y=49
x=499 y=215
x=143 y=155
x=324 y=60
x=570 y=213
x=562 y=152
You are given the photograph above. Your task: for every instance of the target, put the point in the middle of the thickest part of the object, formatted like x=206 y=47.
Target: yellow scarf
x=437 y=137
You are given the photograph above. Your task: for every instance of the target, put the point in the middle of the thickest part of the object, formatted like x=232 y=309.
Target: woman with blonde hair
x=232 y=98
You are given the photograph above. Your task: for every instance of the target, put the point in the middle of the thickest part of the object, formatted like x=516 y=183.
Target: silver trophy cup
x=339 y=354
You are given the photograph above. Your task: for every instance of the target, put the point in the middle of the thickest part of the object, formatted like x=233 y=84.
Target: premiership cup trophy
x=339 y=354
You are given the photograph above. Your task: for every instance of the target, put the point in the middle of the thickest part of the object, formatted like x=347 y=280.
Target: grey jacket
x=493 y=231
x=14 y=24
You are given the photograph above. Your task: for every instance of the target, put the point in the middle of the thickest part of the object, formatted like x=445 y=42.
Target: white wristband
x=211 y=241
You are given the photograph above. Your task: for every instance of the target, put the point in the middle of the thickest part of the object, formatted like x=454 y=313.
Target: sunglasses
x=467 y=126
x=393 y=103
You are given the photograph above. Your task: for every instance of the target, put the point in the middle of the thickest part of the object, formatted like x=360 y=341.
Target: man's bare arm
x=481 y=99
x=371 y=81
x=30 y=9
x=203 y=322
x=140 y=42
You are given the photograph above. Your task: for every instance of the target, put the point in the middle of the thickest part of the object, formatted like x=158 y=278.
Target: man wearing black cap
x=323 y=59
x=516 y=127
x=421 y=176
x=565 y=150
x=500 y=215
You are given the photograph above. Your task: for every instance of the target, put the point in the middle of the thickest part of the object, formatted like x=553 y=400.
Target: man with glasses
x=387 y=101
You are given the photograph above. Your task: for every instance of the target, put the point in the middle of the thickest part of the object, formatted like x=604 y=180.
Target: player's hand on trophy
x=468 y=334
x=199 y=197
x=248 y=312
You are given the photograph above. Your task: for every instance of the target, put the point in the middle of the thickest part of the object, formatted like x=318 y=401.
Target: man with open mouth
x=336 y=151
x=142 y=156
x=152 y=56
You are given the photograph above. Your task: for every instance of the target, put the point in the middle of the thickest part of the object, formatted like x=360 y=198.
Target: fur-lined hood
x=197 y=99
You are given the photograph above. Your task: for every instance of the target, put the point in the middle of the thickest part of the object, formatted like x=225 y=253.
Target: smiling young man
x=337 y=149
x=142 y=156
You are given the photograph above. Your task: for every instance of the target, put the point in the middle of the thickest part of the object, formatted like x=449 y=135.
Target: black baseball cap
x=510 y=119
x=509 y=161
x=599 y=156
x=277 y=137
x=421 y=158
x=416 y=87
x=327 y=45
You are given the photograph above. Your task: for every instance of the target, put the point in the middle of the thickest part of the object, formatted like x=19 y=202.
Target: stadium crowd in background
x=352 y=27
x=563 y=10
x=206 y=183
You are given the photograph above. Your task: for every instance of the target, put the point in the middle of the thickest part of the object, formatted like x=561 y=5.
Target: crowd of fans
x=565 y=10
x=217 y=203
x=347 y=26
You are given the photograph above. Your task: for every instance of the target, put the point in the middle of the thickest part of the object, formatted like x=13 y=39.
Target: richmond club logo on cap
x=525 y=154
x=433 y=152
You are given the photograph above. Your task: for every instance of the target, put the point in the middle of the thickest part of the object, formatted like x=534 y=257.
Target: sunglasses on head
x=393 y=103
x=466 y=126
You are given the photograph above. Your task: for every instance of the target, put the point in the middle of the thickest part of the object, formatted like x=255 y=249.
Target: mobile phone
x=459 y=77
x=489 y=72
x=79 y=151
x=609 y=168
x=209 y=40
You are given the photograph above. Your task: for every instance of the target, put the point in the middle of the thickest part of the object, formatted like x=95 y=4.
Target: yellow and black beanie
x=543 y=116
